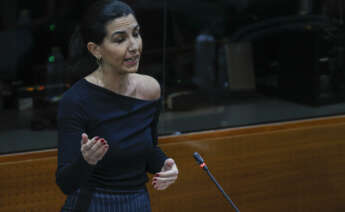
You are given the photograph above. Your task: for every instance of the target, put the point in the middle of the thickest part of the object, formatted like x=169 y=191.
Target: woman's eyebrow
x=136 y=27
x=118 y=33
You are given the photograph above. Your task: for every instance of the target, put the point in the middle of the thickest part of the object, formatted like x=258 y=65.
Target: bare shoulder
x=147 y=87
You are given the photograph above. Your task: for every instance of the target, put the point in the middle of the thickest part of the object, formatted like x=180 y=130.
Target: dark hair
x=92 y=29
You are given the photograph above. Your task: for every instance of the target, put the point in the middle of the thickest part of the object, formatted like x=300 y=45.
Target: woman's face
x=122 y=46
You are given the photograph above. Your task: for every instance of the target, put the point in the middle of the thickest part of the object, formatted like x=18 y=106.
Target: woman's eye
x=119 y=40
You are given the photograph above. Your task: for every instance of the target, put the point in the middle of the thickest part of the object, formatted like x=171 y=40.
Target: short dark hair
x=92 y=28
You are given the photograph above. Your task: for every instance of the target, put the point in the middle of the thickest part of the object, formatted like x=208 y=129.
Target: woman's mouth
x=131 y=61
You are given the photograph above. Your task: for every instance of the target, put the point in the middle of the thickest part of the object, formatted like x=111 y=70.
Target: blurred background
x=220 y=63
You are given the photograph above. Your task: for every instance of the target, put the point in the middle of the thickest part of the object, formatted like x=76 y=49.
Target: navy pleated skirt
x=109 y=201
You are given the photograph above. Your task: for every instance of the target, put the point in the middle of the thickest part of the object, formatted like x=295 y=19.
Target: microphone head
x=198 y=158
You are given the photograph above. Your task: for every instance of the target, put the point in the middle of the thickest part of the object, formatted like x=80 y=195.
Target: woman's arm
x=77 y=155
x=158 y=163
x=151 y=90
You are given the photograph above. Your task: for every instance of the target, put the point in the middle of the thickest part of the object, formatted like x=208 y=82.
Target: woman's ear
x=94 y=49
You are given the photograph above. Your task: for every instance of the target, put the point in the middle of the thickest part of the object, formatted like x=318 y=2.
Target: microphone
x=203 y=165
x=200 y=161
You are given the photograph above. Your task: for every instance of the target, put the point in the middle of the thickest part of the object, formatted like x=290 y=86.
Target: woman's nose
x=134 y=44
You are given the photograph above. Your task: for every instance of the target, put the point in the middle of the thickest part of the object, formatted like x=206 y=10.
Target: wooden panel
x=298 y=169
x=29 y=185
x=294 y=166
x=28 y=155
x=248 y=130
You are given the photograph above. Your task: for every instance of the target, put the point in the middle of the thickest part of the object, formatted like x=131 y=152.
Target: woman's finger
x=95 y=138
x=89 y=145
x=97 y=151
x=169 y=173
x=164 y=179
x=167 y=176
x=90 y=148
x=100 y=152
x=168 y=164
x=166 y=184
x=162 y=186
x=98 y=144
x=85 y=149
x=84 y=138
x=157 y=186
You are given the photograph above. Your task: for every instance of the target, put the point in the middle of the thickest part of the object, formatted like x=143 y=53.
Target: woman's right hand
x=93 y=150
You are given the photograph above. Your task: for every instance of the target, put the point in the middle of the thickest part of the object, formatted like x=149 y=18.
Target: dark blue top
x=129 y=125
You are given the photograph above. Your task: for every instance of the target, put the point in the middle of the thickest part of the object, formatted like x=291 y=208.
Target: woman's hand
x=167 y=176
x=93 y=150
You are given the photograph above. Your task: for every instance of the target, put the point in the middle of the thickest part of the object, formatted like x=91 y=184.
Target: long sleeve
x=157 y=157
x=129 y=126
x=72 y=169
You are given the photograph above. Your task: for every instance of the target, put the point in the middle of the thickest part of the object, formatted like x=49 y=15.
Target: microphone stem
x=221 y=189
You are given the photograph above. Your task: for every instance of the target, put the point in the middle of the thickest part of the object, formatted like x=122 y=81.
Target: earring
x=99 y=61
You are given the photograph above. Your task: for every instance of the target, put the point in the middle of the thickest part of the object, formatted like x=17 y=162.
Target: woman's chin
x=128 y=71
x=132 y=69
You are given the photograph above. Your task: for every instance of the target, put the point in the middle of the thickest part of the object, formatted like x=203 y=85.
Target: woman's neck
x=112 y=80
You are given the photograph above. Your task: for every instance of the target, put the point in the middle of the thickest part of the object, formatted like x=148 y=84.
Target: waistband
x=120 y=191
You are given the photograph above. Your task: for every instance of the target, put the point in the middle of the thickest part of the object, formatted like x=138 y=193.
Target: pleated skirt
x=109 y=201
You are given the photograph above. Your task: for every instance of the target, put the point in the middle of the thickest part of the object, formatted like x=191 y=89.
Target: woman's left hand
x=167 y=175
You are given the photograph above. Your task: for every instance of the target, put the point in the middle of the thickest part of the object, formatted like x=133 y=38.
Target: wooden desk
x=294 y=166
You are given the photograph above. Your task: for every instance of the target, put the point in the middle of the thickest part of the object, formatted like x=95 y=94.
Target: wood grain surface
x=293 y=166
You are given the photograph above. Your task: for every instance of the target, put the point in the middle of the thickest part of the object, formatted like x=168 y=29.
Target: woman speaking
x=107 y=121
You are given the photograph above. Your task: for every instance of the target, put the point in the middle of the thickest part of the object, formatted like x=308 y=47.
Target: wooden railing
x=291 y=166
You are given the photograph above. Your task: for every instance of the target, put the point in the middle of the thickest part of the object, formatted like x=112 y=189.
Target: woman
x=108 y=120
